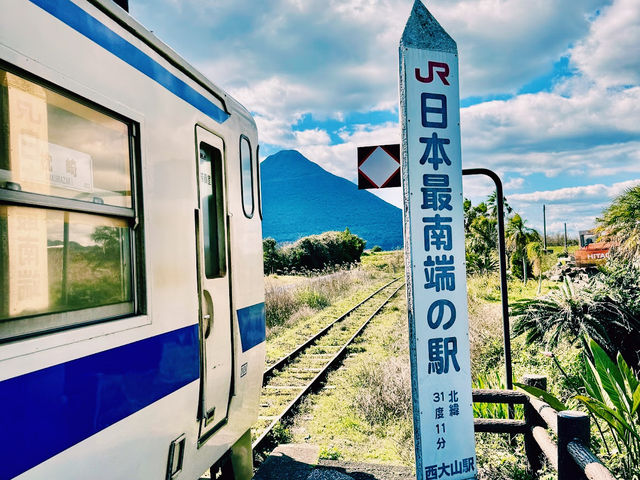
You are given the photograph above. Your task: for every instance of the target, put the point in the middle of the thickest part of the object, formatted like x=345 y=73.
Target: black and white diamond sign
x=379 y=166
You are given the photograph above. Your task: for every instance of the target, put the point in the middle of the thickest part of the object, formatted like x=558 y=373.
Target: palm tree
x=492 y=204
x=518 y=235
x=482 y=244
x=535 y=251
x=620 y=222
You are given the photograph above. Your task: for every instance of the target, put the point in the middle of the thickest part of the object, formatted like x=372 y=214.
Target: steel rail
x=270 y=371
x=305 y=390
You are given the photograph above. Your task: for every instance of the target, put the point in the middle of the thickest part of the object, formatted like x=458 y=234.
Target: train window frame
x=28 y=325
x=259 y=182
x=243 y=187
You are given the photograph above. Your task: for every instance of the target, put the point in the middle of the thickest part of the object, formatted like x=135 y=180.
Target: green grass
x=486 y=288
x=551 y=259
x=387 y=262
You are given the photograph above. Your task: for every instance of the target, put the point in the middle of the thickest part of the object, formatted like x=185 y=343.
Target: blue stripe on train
x=251 y=321
x=45 y=412
x=82 y=22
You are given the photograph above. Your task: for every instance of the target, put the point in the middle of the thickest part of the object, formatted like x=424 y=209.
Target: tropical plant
x=471 y=212
x=620 y=222
x=493 y=381
x=535 y=251
x=492 y=204
x=613 y=395
x=481 y=245
x=518 y=236
x=481 y=238
x=606 y=309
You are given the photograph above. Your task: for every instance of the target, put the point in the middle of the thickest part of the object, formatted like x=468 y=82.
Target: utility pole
x=544 y=225
x=565 y=237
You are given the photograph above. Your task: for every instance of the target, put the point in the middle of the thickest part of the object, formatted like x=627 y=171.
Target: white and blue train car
x=132 y=319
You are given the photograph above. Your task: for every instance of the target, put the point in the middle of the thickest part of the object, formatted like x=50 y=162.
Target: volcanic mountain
x=300 y=198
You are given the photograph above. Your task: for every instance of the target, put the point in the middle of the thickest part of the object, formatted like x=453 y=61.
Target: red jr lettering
x=442 y=69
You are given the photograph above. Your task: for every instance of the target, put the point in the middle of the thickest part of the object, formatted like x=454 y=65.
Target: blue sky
x=550 y=89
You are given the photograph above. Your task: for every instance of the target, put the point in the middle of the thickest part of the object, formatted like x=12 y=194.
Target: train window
x=246 y=170
x=60 y=147
x=66 y=211
x=212 y=203
x=258 y=181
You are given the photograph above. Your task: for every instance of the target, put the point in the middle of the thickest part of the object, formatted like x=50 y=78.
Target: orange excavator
x=591 y=251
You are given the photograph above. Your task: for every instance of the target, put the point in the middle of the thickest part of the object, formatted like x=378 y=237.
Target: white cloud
x=477 y=187
x=312 y=137
x=341 y=159
x=577 y=216
x=586 y=193
x=506 y=43
x=552 y=133
x=514 y=184
x=610 y=54
x=342 y=55
x=284 y=59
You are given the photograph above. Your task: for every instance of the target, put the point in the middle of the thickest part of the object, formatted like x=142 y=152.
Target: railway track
x=287 y=381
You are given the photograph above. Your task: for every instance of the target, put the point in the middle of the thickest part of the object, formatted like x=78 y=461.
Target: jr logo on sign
x=442 y=69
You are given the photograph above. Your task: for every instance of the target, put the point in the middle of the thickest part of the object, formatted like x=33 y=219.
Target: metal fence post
x=572 y=425
x=532 y=419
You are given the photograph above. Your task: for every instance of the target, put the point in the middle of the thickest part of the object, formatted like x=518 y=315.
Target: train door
x=213 y=284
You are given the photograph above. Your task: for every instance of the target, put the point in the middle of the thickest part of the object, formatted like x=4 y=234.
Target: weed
x=498 y=459
x=330 y=453
x=387 y=262
x=383 y=390
x=312 y=298
x=281 y=433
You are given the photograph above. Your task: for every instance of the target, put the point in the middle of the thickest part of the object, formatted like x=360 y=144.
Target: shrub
x=613 y=395
x=272 y=255
x=619 y=223
x=515 y=260
x=313 y=253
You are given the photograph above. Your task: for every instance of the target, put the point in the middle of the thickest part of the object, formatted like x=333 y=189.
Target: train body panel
x=123 y=384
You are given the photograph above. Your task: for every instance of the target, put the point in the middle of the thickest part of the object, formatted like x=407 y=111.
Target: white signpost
x=434 y=250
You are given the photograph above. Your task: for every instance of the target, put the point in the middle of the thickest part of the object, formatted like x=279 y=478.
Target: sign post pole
x=434 y=251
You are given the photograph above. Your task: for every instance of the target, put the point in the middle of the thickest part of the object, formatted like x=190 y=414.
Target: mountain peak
x=291 y=164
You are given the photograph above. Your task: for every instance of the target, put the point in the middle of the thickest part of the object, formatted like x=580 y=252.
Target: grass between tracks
x=365 y=413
